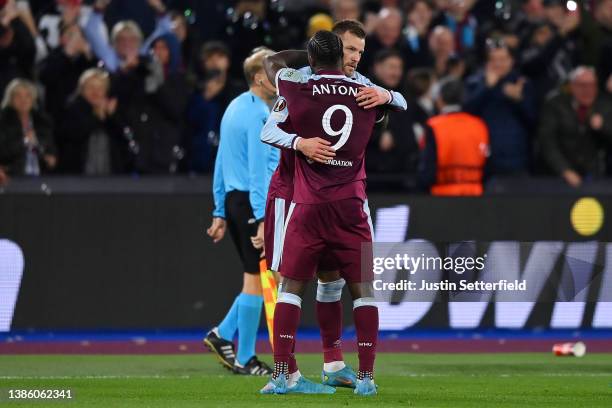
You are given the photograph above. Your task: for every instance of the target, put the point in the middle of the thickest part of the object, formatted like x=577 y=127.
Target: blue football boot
x=341 y=378
x=305 y=386
x=275 y=386
x=365 y=387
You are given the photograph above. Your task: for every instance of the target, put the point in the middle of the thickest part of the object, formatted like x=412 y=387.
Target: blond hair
x=12 y=87
x=254 y=63
x=93 y=73
x=125 y=25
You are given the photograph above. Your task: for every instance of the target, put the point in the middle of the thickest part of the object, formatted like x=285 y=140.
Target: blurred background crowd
x=139 y=86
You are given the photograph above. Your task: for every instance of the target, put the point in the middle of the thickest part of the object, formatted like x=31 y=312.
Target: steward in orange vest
x=456 y=148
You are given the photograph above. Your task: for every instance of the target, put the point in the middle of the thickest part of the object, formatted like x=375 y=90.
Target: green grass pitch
x=405 y=380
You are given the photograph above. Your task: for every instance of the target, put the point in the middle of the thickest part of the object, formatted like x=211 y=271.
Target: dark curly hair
x=325 y=49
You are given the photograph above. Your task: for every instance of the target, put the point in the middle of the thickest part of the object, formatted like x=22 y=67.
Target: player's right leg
x=365 y=316
x=286 y=322
x=347 y=239
x=300 y=256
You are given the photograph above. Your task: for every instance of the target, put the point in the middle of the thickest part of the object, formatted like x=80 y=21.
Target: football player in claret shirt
x=278 y=132
x=327 y=219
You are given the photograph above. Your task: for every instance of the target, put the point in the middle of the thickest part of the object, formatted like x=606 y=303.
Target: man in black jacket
x=152 y=98
x=17 y=49
x=60 y=71
x=576 y=129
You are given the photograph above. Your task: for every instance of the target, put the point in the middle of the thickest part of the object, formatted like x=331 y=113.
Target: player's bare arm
x=284 y=59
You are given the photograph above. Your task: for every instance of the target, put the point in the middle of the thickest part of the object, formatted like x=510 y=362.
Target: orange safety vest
x=462 y=144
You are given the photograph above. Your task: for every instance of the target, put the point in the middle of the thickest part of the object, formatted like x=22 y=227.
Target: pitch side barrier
x=135 y=256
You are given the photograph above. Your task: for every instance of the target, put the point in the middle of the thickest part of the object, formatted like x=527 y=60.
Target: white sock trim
x=365 y=301
x=328 y=292
x=293 y=378
x=290 y=298
x=334 y=366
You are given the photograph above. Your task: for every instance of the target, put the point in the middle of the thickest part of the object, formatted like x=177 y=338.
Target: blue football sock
x=249 y=314
x=229 y=325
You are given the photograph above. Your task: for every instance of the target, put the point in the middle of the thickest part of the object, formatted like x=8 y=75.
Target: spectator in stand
x=387 y=35
x=319 y=21
x=147 y=85
x=60 y=71
x=456 y=147
x=345 y=10
x=17 y=47
x=552 y=51
x=89 y=140
x=61 y=14
x=419 y=17
x=152 y=98
x=214 y=91
x=442 y=47
x=506 y=102
x=603 y=16
x=126 y=37
x=530 y=16
x=149 y=105
x=388 y=69
x=26 y=134
x=576 y=129
x=167 y=52
x=461 y=23
x=421 y=106
x=188 y=38
x=256 y=23
x=440 y=7
x=393 y=149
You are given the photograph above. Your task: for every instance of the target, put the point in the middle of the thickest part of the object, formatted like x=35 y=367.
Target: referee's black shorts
x=242 y=226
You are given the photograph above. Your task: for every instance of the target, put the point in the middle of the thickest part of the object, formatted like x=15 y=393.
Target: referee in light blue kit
x=242 y=175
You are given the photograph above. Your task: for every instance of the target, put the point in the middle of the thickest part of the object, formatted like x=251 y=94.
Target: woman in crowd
x=26 y=134
x=89 y=139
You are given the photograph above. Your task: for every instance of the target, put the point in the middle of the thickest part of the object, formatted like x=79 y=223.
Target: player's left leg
x=329 y=316
x=351 y=244
x=365 y=315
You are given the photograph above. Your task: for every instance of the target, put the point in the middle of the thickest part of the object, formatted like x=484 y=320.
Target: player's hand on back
x=217 y=229
x=316 y=149
x=370 y=97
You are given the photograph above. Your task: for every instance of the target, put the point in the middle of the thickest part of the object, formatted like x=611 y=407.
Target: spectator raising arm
x=117 y=54
x=93 y=32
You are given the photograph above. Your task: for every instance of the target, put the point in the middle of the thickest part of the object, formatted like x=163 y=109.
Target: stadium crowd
x=97 y=88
